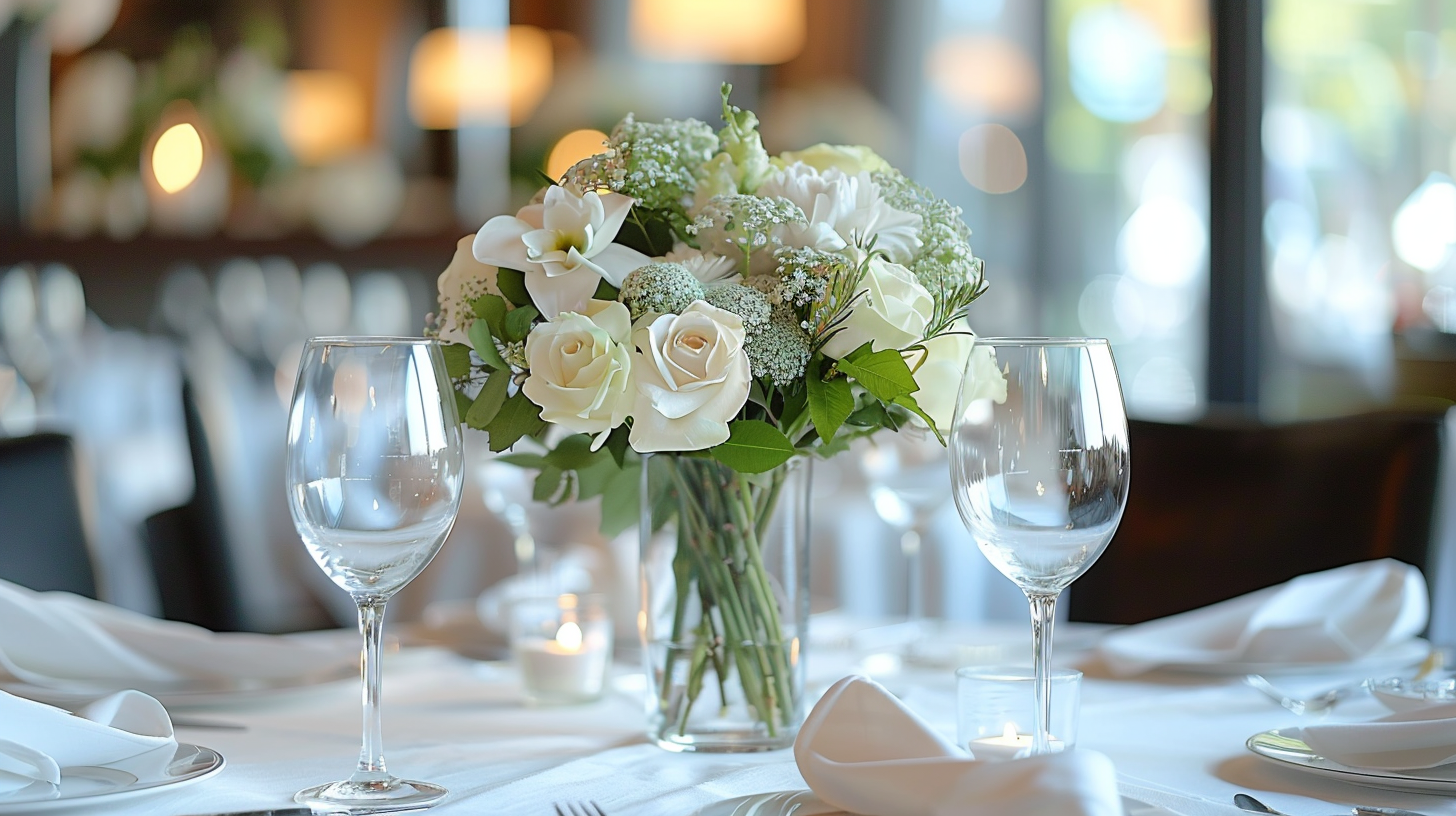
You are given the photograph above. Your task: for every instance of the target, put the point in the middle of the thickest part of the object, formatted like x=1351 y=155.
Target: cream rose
x=464 y=280
x=692 y=378
x=944 y=368
x=892 y=311
x=852 y=159
x=581 y=368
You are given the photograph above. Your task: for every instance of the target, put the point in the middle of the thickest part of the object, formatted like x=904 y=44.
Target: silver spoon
x=1248 y=803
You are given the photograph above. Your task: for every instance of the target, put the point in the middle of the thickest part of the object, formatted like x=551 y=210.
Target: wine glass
x=375 y=464
x=906 y=476
x=1040 y=475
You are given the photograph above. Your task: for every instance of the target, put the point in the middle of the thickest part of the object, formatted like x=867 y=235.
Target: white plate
x=805 y=803
x=88 y=784
x=1381 y=661
x=1279 y=748
x=179 y=694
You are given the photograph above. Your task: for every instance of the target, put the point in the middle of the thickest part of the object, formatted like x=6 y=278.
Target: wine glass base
x=355 y=798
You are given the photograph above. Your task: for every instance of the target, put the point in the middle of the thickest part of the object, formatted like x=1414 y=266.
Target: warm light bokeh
x=985 y=74
x=177 y=157
x=463 y=76
x=753 y=32
x=572 y=148
x=324 y=115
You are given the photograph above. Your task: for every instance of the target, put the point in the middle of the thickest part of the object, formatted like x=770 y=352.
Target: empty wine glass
x=374 y=474
x=906 y=475
x=1040 y=477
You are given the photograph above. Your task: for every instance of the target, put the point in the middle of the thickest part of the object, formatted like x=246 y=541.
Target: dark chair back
x=188 y=544
x=44 y=540
x=1220 y=508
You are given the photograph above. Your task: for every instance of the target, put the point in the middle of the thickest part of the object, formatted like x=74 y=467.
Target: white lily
x=563 y=245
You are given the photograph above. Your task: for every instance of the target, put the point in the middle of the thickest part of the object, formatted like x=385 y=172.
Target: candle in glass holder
x=994 y=704
x=563 y=646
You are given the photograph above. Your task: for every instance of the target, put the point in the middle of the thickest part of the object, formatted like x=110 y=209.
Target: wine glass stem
x=371 y=751
x=1043 y=615
x=913 y=547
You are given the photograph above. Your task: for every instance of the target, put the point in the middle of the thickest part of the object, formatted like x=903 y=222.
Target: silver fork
x=579 y=809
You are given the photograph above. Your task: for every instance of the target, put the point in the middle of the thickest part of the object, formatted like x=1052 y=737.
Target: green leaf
x=605 y=291
x=617 y=443
x=622 y=501
x=518 y=417
x=530 y=461
x=492 y=309
x=830 y=403
x=457 y=359
x=489 y=401
x=753 y=446
x=909 y=402
x=573 y=452
x=463 y=405
x=593 y=479
x=882 y=373
x=870 y=415
x=795 y=401
x=512 y=284
x=518 y=323
x=485 y=346
x=548 y=483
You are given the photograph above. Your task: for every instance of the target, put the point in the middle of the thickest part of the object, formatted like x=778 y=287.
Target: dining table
x=1177 y=739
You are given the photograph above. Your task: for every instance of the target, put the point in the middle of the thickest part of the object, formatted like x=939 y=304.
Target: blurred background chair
x=1226 y=506
x=45 y=541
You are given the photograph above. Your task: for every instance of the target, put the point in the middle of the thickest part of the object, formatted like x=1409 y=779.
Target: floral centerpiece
x=684 y=293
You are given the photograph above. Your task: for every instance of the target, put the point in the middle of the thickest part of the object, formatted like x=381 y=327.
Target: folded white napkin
x=56 y=639
x=37 y=740
x=1423 y=738
x=861 y=750
x=1326 y=617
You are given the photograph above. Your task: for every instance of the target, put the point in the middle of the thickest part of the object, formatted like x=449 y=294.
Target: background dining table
x=1177 y=739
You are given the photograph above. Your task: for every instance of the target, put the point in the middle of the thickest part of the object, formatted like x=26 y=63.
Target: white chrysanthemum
x=850 y=205
x=707 y=267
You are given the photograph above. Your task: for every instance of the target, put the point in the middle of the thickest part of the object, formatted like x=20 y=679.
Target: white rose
x=563 y=245
x=944 y=369
x=464 y=280
x=892 y=311
x=851 y=159
x=581 y=368
x=692 y=378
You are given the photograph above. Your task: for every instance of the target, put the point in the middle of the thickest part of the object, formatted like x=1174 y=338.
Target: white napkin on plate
x=1333 y=616
x=863 y=751
x=56 y=639
x=37 y=740
x=1423 y=738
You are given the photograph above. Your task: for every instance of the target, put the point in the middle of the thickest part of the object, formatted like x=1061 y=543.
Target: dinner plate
x=182 y=693
x=1381 y=661
x=805 y=803
x=1290 y=752
x=98 y=784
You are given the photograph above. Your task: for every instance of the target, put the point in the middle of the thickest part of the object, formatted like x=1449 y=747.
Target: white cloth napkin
x=1325 y=617
x=56 y=639
x=863 y=751
x=37 y=740
x=1423 y=738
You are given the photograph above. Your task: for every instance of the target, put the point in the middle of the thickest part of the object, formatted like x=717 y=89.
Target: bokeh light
x=985 y=74
x=572 y=148
x=1118 y=62
x=992 y=158
x=479 y=76
x=1163 y=242
x=324 y=115
x=177 y=157
x=753 y=32
x=1424 y=228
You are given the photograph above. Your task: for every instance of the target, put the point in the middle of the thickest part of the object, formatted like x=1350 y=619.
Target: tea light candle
x=570 y=667
x=1012 y=744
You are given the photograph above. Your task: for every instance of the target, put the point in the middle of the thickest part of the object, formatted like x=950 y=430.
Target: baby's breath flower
x=731 y=224
x=945 y=260
x=515 y=355
x=653 y=162
x=749 y=304
x=662 y=288
x=804 y=273
x=779 y=349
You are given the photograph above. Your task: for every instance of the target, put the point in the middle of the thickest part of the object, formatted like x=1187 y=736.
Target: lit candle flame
x=568 y=636
x=1009 y=733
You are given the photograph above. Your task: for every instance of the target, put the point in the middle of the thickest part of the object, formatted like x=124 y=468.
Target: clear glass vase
x=725 y=593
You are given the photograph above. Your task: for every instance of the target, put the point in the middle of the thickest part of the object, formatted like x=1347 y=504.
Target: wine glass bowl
x=375 y=465
x=1040 y=477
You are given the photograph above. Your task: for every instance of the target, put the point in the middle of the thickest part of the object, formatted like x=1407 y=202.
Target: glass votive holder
x=996 y=710
x=563 y=647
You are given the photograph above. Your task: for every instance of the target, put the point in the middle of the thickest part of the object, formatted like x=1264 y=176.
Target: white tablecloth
x=1176 y=741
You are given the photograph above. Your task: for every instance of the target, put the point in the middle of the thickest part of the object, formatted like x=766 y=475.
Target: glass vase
x=725 y=594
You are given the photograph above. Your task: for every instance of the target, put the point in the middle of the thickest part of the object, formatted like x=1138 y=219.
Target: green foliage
x=517 y=417
x=830 y=401
x=457 y=360
x=512 y=284
x=882 y=373
x=488 y=402
x=518 y=322
x=484 y=344
x=753 y=446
